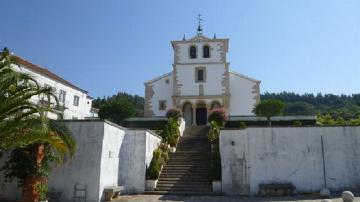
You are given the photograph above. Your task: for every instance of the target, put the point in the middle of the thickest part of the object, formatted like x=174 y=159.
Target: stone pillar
x=194 y=114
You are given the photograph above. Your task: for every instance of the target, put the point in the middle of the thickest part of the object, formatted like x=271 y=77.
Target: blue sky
x=116 y=45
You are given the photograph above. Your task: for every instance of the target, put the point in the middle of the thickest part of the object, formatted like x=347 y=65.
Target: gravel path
x=171 y=198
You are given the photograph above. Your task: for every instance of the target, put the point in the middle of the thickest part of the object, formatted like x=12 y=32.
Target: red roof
x=45 y=72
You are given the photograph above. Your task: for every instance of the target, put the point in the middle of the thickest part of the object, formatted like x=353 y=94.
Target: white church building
x=200 y=81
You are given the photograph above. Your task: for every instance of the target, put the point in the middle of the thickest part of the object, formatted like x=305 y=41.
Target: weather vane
x=199 y=29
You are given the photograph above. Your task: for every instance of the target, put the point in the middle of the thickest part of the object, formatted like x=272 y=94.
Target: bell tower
x=200 y=72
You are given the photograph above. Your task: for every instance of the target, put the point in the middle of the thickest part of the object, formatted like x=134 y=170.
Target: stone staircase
x=188 y=169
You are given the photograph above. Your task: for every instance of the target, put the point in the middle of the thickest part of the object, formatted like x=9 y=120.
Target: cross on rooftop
x=199 y=29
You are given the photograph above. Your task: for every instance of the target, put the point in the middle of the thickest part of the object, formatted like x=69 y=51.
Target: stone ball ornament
x=347 y=196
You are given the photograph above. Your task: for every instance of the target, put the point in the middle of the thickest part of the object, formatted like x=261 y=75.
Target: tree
x=299 y=108
x=25 y=127
x=269 y=108
x=119 y=107
x=117 y=111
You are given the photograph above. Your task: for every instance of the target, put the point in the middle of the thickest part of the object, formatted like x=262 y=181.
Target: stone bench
x=280 y=189
x=112 y=192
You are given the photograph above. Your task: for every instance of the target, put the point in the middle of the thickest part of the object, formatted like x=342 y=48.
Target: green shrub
x=242 y=125
x=171 y=133
x=214 y=131
x=215 y=163
x=160 y=157
x=297 y=123
x=218 y=115
x=173 y=113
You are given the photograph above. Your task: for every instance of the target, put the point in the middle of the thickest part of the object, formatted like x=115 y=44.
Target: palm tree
x=24 y=124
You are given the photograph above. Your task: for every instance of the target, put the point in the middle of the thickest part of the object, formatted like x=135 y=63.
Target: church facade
x=201 y=81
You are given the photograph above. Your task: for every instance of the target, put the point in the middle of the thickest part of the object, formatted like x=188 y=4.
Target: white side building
x=200 y=81
x=75 y=102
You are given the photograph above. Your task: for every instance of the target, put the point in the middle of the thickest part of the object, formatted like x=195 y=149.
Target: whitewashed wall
x=8 y=190
x=84 y=168
x=106 y=155
x=213 y=79
x=135 y=156
x=162 y=91
x=78 y=112
x=242 y=95
x=290 y=155
x=112 y=143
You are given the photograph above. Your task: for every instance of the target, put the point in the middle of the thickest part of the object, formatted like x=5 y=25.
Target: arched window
x=206 y=51
x=192 y=52
x=215 y=105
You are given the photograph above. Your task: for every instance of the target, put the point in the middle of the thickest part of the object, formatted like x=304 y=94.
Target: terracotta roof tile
x=45 y=72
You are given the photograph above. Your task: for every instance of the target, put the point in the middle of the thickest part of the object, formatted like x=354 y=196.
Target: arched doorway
x=188 y=113
x=201 y=114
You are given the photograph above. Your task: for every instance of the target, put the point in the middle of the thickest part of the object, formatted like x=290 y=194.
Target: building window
x=167 y=81
x=76 y=100
x=206 y=51
x=162 y=105
x=62 y=96
x=200 y=74
x=192 y=52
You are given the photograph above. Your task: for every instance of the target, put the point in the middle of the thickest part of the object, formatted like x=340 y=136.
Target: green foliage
x=117 y=111
x=171 y=133
x=22 y=163
x=173 y=113
x=120 y=106
x=24 y=126
x=215 y=162
x=345 y=106
x=160 y=157
x=297 y=123
x=330 y=121
x=299 y=108
x=42 y=189
x=218 y=115
x=23 y=122
x=214 y=131
x=242 y=125
x=269 y=108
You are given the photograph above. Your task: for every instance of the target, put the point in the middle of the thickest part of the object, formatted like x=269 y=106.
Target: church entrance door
x=201 y=116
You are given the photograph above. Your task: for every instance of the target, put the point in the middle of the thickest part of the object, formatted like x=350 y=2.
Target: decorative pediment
x=199 y=38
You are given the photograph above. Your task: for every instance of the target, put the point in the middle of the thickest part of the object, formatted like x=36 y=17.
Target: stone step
x=185 y=188
x=184 y=183
x=181 y=175
x=187 y=167
x=184 y=178
x=192 y=173
x=189 y=161
x=187 y=193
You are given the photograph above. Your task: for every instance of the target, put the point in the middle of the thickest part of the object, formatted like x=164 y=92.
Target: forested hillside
x=123 y=105
x=338 y=106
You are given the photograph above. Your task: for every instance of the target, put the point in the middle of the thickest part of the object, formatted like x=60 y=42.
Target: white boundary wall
x=105 y=154
x=290 y=155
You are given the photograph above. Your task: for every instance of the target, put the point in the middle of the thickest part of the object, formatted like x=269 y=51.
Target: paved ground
x=171 y=198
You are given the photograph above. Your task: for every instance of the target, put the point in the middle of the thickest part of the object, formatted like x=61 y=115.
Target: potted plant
x=171 y=134
x=173 y=113
x=160 y=157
